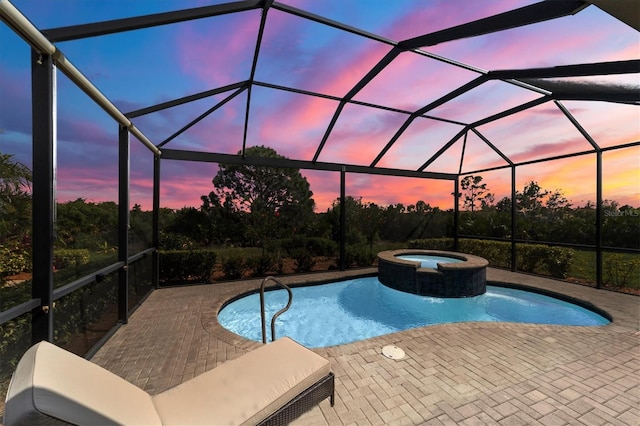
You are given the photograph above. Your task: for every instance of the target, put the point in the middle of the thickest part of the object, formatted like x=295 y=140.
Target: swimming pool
x=357 y=309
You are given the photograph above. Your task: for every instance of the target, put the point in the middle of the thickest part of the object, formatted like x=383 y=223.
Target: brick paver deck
x=466 y=373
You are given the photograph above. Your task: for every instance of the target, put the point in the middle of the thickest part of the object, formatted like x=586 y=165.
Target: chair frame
x=305 y=401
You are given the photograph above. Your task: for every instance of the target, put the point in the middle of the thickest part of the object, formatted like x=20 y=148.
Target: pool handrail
x=277 y=314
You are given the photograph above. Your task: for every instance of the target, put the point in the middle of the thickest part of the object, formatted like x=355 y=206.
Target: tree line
x=250 y=206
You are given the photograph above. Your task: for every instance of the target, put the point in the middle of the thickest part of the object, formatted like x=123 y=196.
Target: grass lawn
x=619 y=269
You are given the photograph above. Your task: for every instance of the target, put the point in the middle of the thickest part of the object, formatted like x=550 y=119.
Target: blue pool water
x=429 y=260
x=347 y=311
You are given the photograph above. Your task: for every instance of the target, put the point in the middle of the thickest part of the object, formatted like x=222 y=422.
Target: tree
x=353 y=206
x=272 y=201
x=85 y=224
x=192 y=223
x=530 y=199
x=475 y=192
x=15 y=198
x=373 y=217
x=15 y=215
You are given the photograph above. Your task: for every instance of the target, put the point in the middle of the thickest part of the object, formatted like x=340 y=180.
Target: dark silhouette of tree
x=531 y=198
x=271 y=201
x=475 y=193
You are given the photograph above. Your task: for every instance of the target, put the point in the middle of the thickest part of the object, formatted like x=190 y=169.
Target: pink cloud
x=412 y=81
x=576 y=177
x=182 y=183
x=443 y=14
x=609 y=124
x=484 y=101
x=95 y=185
x=478 y=155
x=219 y=53
x=385 y=190
x=325 y=187
x=535 y=133
x=546 y=150
x=294 y=127
x=310 y=56
x=382 y=190
x=422 y=139
x=573 y=39
x=360 y=134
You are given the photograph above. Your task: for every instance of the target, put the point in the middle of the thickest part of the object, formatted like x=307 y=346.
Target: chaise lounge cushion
x=52 y=386
x=50 y=382
x=245 y=390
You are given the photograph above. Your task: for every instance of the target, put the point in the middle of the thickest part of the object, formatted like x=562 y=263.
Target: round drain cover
x=393 y=352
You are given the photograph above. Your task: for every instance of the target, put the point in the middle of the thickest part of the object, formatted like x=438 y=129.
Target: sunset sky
x=145 y=67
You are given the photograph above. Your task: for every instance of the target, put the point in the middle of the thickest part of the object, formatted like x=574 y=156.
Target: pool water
x=429 y=261
x=357 y=309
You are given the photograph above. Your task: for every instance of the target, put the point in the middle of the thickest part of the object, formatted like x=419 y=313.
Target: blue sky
x=142 y=68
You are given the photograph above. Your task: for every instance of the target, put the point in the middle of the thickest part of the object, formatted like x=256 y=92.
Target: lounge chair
x=273 y=384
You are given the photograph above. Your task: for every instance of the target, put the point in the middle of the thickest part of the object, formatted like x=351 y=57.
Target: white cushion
x=53 y=386
x=245 y=390
x=51 y=382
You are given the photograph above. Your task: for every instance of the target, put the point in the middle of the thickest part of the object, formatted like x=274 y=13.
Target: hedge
x=182 y=266
x=63 y=258
x=316 y=246
x=538 y=258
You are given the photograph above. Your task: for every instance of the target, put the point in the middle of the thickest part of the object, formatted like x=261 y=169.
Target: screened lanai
x=361 y=99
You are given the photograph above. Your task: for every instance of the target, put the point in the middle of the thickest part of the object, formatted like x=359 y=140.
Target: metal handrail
x=277 y=314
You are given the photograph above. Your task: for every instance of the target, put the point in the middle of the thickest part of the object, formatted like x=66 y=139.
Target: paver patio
x=464 y=373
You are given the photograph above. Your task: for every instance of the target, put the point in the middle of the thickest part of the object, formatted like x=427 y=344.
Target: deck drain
x=393 y=352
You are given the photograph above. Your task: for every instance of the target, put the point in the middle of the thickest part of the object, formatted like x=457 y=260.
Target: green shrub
x=13 y=295
x=559 y=261
x=315 y=245
x=178 y=266
x=321 y=246
x=64 y=258
x=530 y=257
x=432 y=244
x=15 y=340
x=496 y=252
x=262 y=264
x=303 y=259
x=619 y=271
x=359 y=255
x=13 y=260
x=234 y=266
x=174 y=241
x=279 y=266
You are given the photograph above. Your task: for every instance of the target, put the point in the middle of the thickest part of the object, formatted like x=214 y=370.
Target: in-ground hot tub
x=433 y=272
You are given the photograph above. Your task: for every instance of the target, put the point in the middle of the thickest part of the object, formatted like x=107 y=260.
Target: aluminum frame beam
x=124 y=177
x=331 y=23
x=210 y=157
x=201 y=117
x=186 y=99
x=44 y=118
x=575 y=70
x=537 y=12
x=75 y=32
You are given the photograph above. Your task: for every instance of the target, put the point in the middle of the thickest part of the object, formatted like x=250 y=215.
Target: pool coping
x=468 y=260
